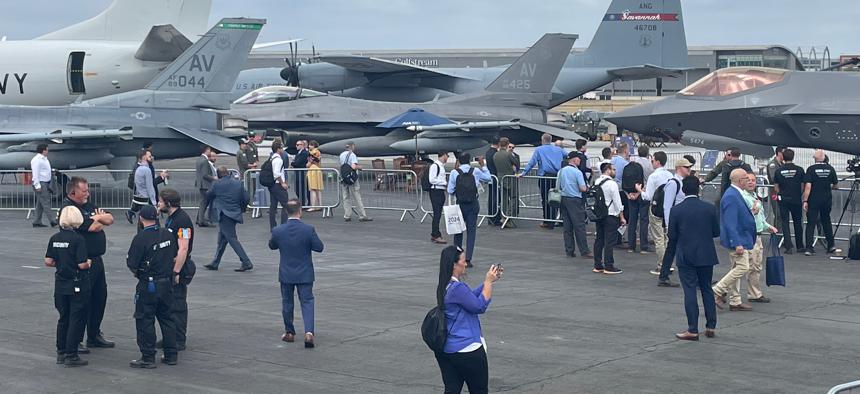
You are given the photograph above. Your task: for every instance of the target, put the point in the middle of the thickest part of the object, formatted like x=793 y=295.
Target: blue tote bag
x=775 y=265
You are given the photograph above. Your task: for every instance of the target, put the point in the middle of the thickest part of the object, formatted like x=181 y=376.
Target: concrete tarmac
x=553 y=326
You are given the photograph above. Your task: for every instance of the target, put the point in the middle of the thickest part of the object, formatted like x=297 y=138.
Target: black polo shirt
x=790 y=177
x=151 y=253
x=822 y=176
x=180 y=224
x=68 y=249
x=96 y=242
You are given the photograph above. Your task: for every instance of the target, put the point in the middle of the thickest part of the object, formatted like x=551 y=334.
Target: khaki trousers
x=658 y=234
x=754 y=276
x=730 y=284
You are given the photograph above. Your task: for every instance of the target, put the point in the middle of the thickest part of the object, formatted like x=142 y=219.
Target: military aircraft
x=636 y=39
x=176 y=110
x=518 y=98
x=757 y=106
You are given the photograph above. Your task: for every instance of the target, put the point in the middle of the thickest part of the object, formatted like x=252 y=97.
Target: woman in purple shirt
x=464 y=358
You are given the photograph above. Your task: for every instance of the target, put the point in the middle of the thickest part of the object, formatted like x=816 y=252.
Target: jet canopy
x=276 y=94
x=729 y=81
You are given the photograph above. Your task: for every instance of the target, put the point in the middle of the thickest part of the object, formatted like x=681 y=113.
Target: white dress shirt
x=41 y=168
x=437 y=175
x=611 y=195
x=657 y=178
x=277 y=167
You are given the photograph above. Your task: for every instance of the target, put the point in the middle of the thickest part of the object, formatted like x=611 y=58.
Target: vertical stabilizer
x=639 y=32
x=131 y=20
x=213 y=63
x=537 y=69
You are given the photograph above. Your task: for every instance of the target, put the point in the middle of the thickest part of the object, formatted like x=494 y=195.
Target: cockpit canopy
x=728 y=81
x=276 y=94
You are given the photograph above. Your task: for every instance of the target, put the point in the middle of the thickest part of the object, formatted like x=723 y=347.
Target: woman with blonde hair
x=315 y=178
x=67 y=251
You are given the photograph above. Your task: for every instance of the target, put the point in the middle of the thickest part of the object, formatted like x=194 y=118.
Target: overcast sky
x=416 y=24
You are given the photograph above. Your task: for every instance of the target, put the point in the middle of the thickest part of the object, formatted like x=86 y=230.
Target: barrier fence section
x=390 y=190
x=490 y=207
x=521 y=198
x=108 y=188
x=322 y=189
x=849 y=387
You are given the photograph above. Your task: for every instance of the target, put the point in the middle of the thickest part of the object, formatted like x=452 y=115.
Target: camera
x=853 y=165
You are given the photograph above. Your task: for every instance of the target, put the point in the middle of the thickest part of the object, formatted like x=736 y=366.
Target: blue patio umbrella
x=414 y=117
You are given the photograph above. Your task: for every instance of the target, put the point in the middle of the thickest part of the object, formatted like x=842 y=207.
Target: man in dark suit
x=738 y=234
x=300 y=160
x=296 y=240
x=205 y=175
x=494 y=217
x=229 y=200
x=692 y=227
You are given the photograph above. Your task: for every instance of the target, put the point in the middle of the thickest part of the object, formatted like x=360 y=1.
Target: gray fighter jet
x=754 y=105
x=176 y=111
x=518 y=98
x=636 y=39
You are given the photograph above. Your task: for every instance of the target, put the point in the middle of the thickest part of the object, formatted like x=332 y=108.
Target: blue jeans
x=692 y=277
x=638 y=218
x=470 y=216
x=227 y=235
x=306 y=298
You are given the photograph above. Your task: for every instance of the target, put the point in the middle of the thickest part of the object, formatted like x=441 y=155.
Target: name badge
x=77 y=289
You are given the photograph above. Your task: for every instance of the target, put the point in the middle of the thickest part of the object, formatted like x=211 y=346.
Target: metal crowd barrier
x=484 y=193
x=521 y=199
x=845 y=387
x=390 y=190
x=108 y=188
x=329 y=195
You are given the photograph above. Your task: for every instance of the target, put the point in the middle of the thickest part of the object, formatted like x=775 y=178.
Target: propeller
x=291 y=72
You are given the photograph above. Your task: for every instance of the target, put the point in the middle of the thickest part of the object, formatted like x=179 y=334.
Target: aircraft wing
x=372 y=65
x=645 y=71
x=216 y=141
x=62 y=135
x=554 y=131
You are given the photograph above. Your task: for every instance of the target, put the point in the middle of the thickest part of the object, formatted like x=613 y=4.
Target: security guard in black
x=179 y=223
x=67 y=252
x=150 y=259
x=788 y=180
x=818 y=201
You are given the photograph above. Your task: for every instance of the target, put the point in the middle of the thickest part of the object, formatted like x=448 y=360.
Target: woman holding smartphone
x=464 y=359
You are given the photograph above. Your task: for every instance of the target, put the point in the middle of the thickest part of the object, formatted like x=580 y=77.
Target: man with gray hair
x=351 y=190
x=738 y=234
x=229 y=199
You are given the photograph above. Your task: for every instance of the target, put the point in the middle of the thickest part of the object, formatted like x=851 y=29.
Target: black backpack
x=595 y=202
x=465 y=188
x=267 y=178
x=633 y=173
x=131 y=177
x=660 y=196
x=425 y=178
x=854 y=247
x=434 y=329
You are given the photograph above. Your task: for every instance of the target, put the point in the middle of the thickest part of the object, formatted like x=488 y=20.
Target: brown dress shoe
x=309 y=340
x=720 y=301
x=687 y=336
x=287 y=337
x=439 y=240
x=709 y=332
x=740 y=307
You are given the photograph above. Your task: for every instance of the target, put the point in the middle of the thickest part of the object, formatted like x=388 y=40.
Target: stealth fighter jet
x=755 y=105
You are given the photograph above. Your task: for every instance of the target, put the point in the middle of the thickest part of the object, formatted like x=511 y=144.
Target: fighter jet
x=636 y=39
x=755 y=105
x=176 y=110
x=518 y=98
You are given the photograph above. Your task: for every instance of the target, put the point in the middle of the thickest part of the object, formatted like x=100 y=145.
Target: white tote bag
x=454 y=223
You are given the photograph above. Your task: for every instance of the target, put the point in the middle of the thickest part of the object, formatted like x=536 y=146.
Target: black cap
x=148 y=212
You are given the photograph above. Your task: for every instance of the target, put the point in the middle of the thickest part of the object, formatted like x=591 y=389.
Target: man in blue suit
x=692 y=227
x=229 y=200
x=737 y=233
x=296 y=240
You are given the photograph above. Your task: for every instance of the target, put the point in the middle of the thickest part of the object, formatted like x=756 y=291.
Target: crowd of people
x=659 y=207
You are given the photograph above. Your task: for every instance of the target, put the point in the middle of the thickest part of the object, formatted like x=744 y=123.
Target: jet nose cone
x=636 y=119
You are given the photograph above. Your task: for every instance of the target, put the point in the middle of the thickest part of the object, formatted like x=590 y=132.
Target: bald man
x=738 y=234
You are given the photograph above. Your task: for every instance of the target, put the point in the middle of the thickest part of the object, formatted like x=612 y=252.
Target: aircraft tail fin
x=636 y=32
x=536 y=70
x=213 y=63
x=131 y=20
x=163 y=44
